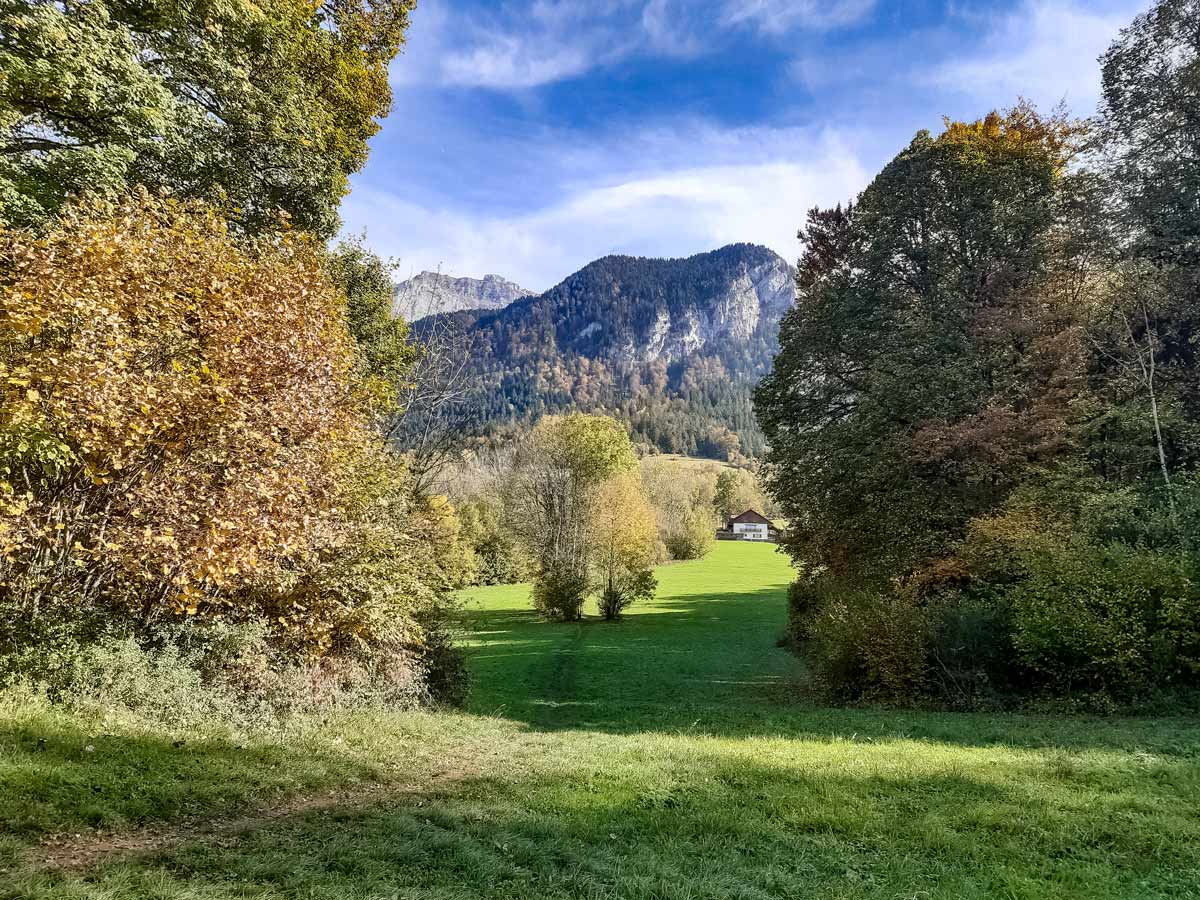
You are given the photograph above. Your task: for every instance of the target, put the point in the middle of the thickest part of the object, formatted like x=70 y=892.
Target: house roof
x=750 y=517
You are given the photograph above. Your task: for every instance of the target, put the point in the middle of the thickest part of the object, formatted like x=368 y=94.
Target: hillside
x=433 y=292
x=673 y=346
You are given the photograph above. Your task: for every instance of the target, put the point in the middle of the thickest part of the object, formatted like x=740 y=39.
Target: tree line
x=984 y=415
x=572 y=509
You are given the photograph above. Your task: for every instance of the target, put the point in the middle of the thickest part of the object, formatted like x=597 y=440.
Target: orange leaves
x=191 y=389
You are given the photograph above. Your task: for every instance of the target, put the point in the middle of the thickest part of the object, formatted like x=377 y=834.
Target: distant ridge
x=672 y=346
x=434 y=292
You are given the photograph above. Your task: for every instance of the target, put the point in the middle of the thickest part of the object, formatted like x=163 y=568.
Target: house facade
x=750 y=526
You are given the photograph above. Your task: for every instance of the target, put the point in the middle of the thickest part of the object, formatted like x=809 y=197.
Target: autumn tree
x=624 y=544
x=265 y=106
x=185 y=435
x=175 y=403
x=681 y=494
x=563 y=463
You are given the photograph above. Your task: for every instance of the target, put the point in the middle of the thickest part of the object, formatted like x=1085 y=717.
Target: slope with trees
x=672 y=347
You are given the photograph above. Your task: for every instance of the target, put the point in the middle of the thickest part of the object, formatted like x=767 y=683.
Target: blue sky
x=529 y=137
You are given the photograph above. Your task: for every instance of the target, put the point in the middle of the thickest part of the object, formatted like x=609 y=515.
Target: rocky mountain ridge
x=673 y=346
x=430 y=293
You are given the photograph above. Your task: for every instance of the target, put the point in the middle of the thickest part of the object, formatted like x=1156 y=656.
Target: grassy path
x=702 y=655
x=654 y=758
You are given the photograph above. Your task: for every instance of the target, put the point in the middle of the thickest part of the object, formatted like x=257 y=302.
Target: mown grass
x=661 y=757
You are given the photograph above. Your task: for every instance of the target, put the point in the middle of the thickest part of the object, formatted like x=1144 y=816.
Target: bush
x=497 y=556
x=616 y=597
x=174 y=407
x=971 y=656
x=804 y=598
x=1105 y=619
x=559 y=593
x=867 y=645
x=694 y=538
x=233 y=678
x=446 y=677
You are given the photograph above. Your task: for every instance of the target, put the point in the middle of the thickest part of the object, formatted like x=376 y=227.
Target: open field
x=660 y=757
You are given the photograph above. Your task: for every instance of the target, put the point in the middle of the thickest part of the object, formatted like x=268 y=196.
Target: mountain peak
x=436 y=292
x=675 y=344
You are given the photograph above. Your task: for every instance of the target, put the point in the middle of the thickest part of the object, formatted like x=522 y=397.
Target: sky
x=529 y=137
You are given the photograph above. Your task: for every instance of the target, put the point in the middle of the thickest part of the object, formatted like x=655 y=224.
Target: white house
x=751 y=526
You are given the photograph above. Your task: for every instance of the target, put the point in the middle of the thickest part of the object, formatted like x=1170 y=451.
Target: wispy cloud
x=1045 y=51
x=675 y=211
x=556 y=40
x=780 y=16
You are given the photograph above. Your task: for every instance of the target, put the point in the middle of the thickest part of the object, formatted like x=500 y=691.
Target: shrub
x=446 y=677
x=971 y=656
x=559 y=593
x=497 y=556
x=694 y=538
x=1104 y=618
x=174 y=404
x=804 y=598
x=186 y=449
x=868 y=645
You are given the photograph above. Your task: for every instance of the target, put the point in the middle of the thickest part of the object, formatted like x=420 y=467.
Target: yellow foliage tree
x=624 y=544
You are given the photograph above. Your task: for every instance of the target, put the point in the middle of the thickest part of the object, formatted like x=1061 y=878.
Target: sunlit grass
x=665 y=756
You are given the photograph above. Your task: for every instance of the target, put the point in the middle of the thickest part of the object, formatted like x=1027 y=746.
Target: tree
x=1149 y=148
x=681 y=494
x=435 y=413
x=737 y=491
x=386 y=356
x=563 y=463
x=176 y=406
x=264 y=106
x=934 y=348
x=624 y=544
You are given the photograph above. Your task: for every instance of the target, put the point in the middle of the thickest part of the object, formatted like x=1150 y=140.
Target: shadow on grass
x=708 y=664
x=706 y=825
x=57 y=776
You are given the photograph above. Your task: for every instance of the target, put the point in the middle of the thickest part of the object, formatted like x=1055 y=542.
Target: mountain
x=672 y=346
x=432 y=292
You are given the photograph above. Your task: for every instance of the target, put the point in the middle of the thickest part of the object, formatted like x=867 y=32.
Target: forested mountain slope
x=673 y=346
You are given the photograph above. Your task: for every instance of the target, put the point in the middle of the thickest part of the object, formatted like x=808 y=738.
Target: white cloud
x=546 y=42
x=554 y=40
x=510 y=61
x=780 y=16
x=675 y=211
x=1045 y=51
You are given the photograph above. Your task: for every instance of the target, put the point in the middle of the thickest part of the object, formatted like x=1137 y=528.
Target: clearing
x=661 y=757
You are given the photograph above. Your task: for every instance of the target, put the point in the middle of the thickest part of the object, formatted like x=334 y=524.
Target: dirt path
x=80 y=851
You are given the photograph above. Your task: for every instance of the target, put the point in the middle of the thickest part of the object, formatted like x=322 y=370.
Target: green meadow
x=670 y=755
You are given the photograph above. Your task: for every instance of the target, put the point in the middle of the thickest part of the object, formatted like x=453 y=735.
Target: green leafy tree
x=385 y=352
x=932 y=353
x=737 y=491
x=1148 y=333
x=265 y=105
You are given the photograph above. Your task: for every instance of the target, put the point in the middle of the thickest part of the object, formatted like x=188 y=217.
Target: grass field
x=665 y=756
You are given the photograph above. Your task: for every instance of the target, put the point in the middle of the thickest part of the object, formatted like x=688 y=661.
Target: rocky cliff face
x=673 y=345
x=433 y=292
x=756 y=293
